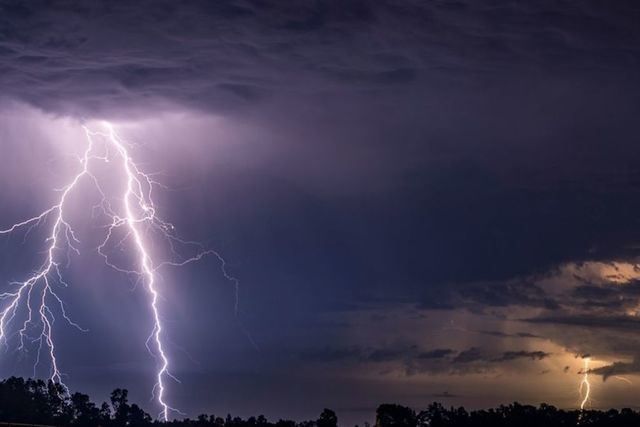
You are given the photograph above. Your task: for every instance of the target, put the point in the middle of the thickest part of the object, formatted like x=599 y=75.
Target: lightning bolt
x=136 y=216
x=585 y=386
x=41 y=281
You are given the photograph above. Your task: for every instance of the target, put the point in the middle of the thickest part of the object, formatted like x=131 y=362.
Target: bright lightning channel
x=136 y=214
x=585 y=385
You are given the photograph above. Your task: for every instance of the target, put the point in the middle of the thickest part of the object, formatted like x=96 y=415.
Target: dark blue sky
x=422 y=200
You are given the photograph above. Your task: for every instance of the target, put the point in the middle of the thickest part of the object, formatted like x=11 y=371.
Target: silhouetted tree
x=83 y=411
x=391 y=415
x=120 y=405
x=328 y=418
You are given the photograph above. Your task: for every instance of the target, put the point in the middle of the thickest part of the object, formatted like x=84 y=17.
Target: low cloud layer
x=411 y=360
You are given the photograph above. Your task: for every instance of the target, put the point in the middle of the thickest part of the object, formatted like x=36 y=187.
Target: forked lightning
x=134 y=214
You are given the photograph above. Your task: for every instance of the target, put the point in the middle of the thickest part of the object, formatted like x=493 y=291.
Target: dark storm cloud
x=500 y=334
x=472 y=360
x=468 y=356
x=389 y=354
x=605 y=304
x=617 y=368
x=482 y=296
x=513 y=355
x=439 y=353
x=446 y=155
x=474 y=355
x=620 y=323
x=71 y=56
x=509 y=294
x=415 y=360
x=612 y=298
x=424 y=110
x=582 y=298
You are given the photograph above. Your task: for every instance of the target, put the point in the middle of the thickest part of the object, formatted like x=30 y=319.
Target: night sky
x=422 y=200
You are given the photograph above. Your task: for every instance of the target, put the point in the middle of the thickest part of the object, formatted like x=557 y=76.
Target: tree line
x=45 y=403
x=513 y=415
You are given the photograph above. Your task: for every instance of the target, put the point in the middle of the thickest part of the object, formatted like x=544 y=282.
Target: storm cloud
x=84 y=58
x=416 y=196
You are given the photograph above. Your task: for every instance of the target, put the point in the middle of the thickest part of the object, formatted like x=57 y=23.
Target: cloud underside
x=414 y=360
x=81 y=58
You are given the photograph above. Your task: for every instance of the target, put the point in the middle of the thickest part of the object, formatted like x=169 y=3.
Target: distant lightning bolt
x=137 y=215
x=585 y=386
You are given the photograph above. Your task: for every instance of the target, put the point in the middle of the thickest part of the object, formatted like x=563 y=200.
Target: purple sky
x=422 y=200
